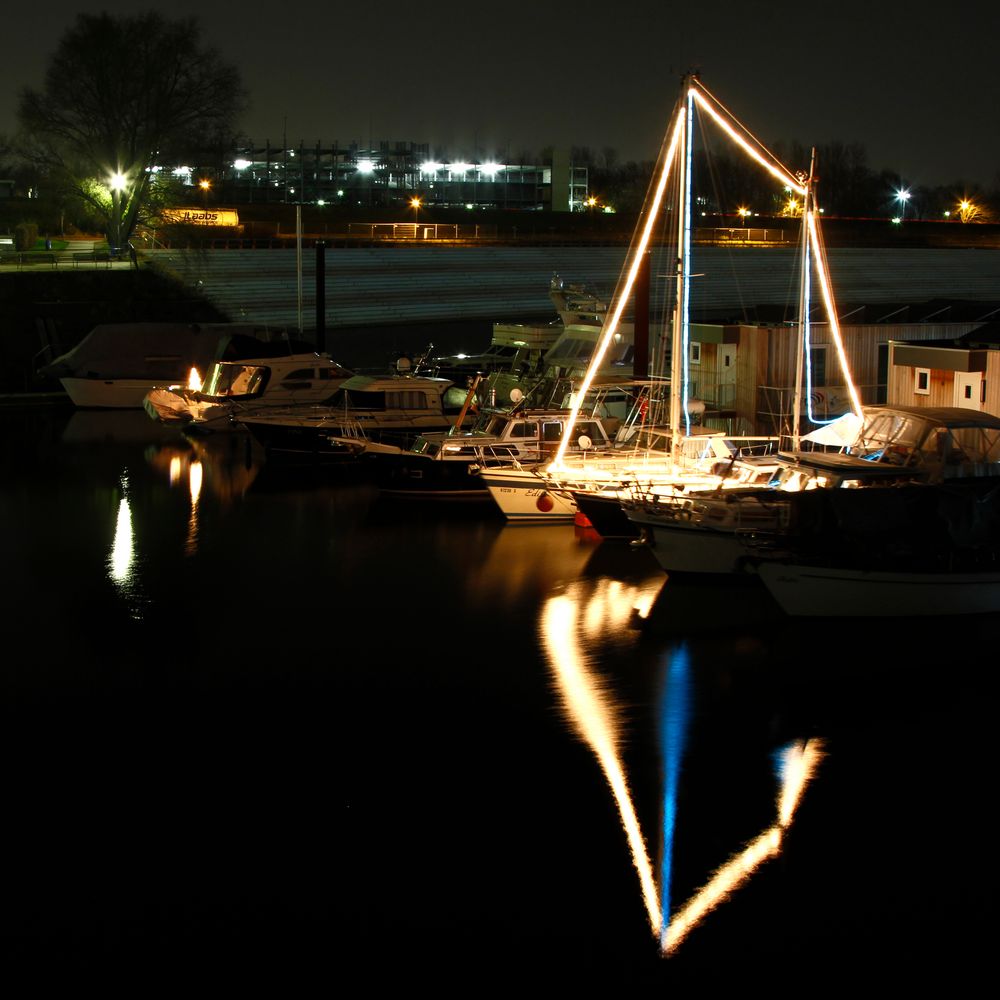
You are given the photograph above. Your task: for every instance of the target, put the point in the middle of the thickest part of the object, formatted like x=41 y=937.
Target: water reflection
x=797 y=763
x=573 y=623
x=568 y=621
x=675 y=715
x=227 y=464
x=121 y=560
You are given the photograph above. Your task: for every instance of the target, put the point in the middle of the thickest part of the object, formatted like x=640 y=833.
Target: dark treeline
x=847 y=186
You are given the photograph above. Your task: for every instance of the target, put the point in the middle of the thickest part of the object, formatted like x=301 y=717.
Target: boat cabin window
x=409 y=399
x=964 y=445
x=525 y=429
x=454 y=399
x=552 y=430
x=591 y=429
x=226 y=379
x=424 y=447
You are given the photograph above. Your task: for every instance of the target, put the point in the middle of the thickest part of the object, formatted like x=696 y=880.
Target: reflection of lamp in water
x=195 y=476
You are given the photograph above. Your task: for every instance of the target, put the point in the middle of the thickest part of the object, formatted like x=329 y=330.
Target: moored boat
x=805 y=590
x=387 y=412
x=235 y=388
x=117 y=364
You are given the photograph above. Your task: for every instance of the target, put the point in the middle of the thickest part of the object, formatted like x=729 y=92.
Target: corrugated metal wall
x=386 y=285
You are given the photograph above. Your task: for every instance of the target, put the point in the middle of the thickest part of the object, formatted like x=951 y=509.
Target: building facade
x=393 y=175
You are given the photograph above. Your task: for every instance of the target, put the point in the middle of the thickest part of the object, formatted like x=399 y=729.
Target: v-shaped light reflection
x=797 y=764
x=571 y=622
x=567 y=621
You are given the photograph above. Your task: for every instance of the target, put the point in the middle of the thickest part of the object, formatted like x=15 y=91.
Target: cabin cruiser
x=117 y=364
x=445 y=465
x=893 y=452
x=386 y=413
x=235 y=388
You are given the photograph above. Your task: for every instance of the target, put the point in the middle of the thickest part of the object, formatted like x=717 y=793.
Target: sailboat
x=689 y=460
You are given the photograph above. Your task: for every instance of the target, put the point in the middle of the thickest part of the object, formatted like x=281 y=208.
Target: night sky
x=918 y=89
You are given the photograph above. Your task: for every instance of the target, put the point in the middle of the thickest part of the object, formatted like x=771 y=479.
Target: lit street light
x=205 y=185
x=416 y=203
x=743 y=213
x=902 y=196
x=967 y=210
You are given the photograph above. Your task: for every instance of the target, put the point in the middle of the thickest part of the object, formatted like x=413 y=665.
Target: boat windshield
x=912 y=440
x=227 y=379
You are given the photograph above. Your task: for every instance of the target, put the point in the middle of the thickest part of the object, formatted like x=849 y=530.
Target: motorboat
x=386 y=413
x=235 y=388
x=447 y=465
x=117 y=364
x=863 y=592
x=893 y=447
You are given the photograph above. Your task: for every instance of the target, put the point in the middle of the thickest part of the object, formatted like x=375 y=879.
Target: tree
x=122 y=95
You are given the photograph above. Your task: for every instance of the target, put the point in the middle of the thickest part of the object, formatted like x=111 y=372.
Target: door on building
x=727 y=376
x=968 y=389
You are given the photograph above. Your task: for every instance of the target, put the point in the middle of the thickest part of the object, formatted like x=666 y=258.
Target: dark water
x=279 y=725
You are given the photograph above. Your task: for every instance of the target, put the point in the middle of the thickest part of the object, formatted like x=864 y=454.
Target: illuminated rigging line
x=695 y=91
x=612 y=323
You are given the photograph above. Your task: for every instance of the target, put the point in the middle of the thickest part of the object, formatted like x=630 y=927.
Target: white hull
x=830 y=592
x=524 y=496
x=680 y=548
x=108 y=393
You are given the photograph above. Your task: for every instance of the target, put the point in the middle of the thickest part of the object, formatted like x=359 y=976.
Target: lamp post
x=902 y=196
x=119 y=185
x=415 y=203
x=743 y=213
x=205 y=185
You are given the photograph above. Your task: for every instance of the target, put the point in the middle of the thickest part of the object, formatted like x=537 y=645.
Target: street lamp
x=967 y=210
x=902 y=196
x=205 y=185
x=119 y=185
x=415 y=203
x=743 y=213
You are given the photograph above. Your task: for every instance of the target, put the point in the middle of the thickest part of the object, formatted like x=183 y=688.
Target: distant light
x=415 y=203
x=242 y=164
x=430 y=167
x=321 y=203
x=491 y=169
x=204 y=184
x=459 y=168
x=897 y=220
x=340 y=192
x=366 y=166
x=903 y=195
x=946 y=214
x=291 y=190
x=118 y=181
x=608 y=210
x=470 y=206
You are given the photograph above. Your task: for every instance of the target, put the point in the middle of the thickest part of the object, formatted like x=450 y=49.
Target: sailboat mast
x=804 y=304
x=677 y=347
